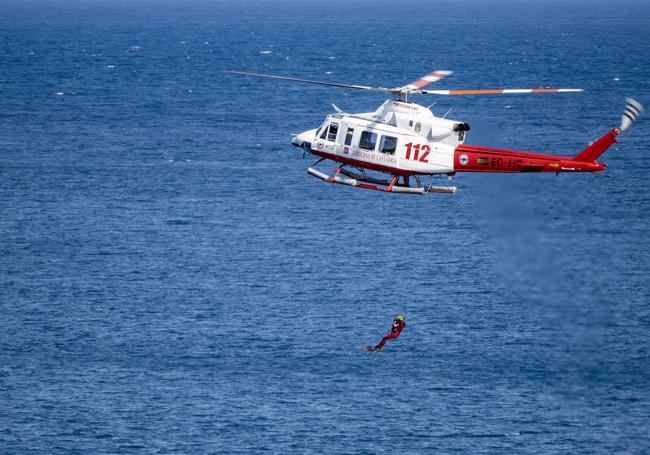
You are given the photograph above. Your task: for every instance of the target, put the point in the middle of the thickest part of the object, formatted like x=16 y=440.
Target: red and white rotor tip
x=426 y=80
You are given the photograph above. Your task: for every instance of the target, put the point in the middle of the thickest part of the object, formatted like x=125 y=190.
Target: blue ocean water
x=172 y=281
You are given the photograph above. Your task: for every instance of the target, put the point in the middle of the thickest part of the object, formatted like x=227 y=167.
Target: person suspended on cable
x=398 y=326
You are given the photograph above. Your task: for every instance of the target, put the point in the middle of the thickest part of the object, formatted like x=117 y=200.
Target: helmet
x=399 y=317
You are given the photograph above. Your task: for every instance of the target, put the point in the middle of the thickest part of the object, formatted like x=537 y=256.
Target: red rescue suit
x=398 y=326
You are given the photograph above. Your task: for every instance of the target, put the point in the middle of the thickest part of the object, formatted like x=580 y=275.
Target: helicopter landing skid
x=360 y=180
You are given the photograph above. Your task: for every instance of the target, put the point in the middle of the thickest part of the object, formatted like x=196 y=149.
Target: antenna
x=337 y=109
x=432 y=104
x=447 y=113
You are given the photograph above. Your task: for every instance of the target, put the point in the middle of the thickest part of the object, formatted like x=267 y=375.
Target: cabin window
x=333 y=131
x=348 y=136
x=323 y=135
x=368 y=140
x=388 y=145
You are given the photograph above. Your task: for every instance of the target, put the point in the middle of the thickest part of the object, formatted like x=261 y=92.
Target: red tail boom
x=472 y=158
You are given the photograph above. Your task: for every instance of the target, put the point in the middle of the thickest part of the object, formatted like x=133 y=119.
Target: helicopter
x=403 y=141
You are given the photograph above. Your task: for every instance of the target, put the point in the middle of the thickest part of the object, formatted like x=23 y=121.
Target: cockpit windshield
x=321 y=130
x=328 y=131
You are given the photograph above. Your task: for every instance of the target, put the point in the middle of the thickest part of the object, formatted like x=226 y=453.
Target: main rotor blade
x=308 y=81
x=500 y=91
x=426 y=80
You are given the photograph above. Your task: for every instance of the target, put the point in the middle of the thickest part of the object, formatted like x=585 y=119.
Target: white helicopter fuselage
x=406 y=141
x=398 y=138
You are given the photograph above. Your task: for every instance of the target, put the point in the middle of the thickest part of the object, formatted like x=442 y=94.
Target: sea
x=172 y=281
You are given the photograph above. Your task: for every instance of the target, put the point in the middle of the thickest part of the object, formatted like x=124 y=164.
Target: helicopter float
x=405 y=141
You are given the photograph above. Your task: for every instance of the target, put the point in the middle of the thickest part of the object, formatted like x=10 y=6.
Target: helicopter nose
x=296 y=141
x=299 y=141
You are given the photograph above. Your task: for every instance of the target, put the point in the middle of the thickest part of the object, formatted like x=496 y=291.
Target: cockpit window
x=334 y=129
x=388 y=145
x=368 y=140
x=323 y=135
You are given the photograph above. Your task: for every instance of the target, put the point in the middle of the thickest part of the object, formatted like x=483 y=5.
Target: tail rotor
x=631 y=113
